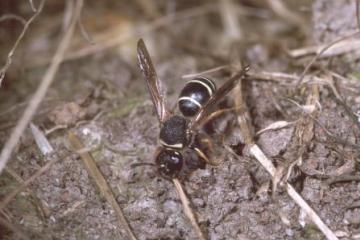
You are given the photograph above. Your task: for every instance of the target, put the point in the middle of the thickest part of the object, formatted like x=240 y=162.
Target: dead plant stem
x=187 y=209
x=100 y=181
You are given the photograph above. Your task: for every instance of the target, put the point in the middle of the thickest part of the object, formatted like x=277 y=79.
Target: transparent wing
x=152 y=81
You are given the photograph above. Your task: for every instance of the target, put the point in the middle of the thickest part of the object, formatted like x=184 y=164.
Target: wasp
x=179 y=133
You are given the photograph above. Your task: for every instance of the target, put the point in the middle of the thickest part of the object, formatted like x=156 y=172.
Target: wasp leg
x=218 y=113
x=205 y=147
x=214 y=161
x=211 y=160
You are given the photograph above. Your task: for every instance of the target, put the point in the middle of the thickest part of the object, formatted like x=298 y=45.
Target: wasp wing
x=152 y=81
x=219 y=94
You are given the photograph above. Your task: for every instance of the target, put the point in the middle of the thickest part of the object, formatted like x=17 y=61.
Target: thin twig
x=55 y=128
x=41 y=141
x=279 y=7
x=357 y=3
x=339 y=48
x=230 y=21
x=243 y=115
x=10 y=16
x=100 y=181
x=40 y=92
x=275 y=126
x=32 y=6
x=85 y=33
x=343 y=178
x=279 y=77
x=18 y=40
x=187 y=209
x=69 y=6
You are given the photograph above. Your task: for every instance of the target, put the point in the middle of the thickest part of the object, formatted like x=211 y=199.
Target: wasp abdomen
x=194 y=95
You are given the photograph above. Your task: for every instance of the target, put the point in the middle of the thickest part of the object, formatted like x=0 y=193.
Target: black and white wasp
x=180 y=133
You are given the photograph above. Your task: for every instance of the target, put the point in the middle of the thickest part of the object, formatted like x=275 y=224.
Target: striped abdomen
x=194 y=95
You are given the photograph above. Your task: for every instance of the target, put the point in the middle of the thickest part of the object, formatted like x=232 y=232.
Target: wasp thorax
x=169 y=163
x=194 y=95
x=173 y=132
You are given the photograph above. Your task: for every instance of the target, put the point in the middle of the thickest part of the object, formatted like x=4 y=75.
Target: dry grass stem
x=278 y=77
x=100 y=181
x=53 y=129
x=232 y=29
x=18 y=40
x=243 y=115
x=41 y=141
x=187 y=209
x=83 y=31
x=10 y=16
x=304 y=130
x=339 y=48
x=275 y=126
x=66 y=20
x=32 y=5
x=281 y=10
x=357 y=3
x=41 y=91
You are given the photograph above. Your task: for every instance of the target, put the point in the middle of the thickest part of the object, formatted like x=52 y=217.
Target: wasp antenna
x=134 y=165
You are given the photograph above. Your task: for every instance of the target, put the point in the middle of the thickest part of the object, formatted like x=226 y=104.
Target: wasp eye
x=169 y=163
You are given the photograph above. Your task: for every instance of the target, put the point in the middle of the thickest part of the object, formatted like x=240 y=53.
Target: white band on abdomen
x=191 y=100
x=204 y=84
